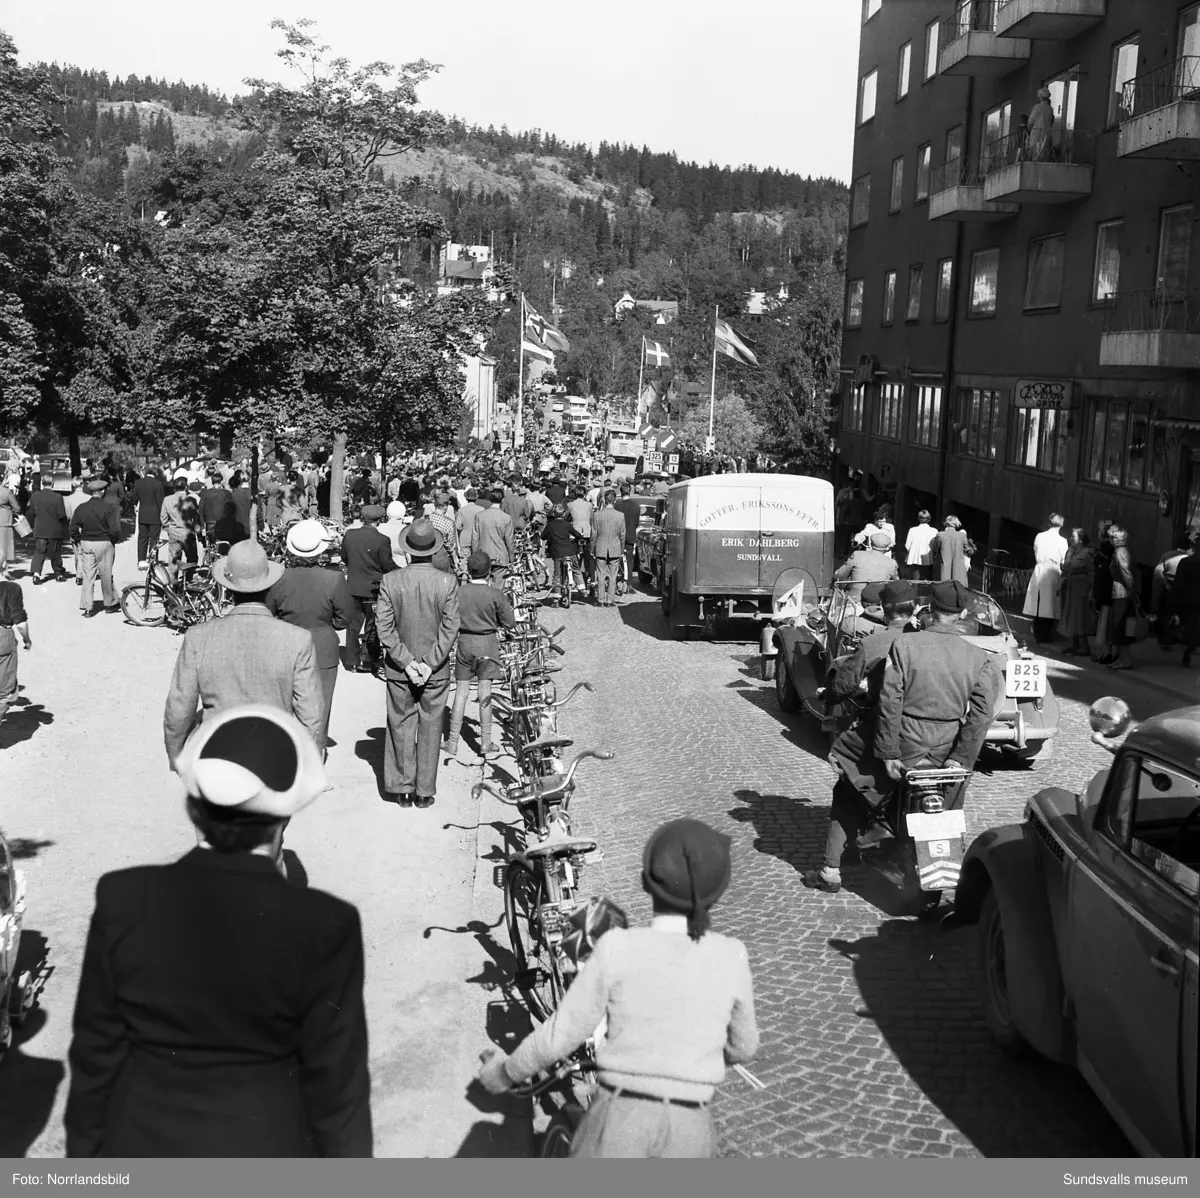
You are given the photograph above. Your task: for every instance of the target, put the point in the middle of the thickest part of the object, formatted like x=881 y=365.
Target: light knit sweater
x=678 y=1011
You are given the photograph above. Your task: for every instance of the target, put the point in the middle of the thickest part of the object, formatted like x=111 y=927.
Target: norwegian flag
x=540 y=330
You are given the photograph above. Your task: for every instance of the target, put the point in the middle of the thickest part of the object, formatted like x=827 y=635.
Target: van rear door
x=726 y=520
x=793 y=529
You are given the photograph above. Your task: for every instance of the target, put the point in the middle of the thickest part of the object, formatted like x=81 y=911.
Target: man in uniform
x=937 y=695
x=863 y=566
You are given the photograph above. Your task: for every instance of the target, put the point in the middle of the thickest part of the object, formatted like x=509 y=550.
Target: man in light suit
x=493 y=533
x=247 y=657
x=417 y=617
x=608 y=544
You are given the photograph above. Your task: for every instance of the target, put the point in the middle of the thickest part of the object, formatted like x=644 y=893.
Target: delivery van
x=729 y=537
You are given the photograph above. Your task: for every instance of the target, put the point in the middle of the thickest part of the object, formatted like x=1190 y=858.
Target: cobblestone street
x=872 y=1037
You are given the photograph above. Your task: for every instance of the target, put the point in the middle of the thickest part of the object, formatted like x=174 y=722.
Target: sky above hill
x=770 y=83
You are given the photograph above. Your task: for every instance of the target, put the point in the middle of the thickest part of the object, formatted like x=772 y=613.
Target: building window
x=996 y=124
x=1106 y=274
x=931 y=49
x=954 y=143
x=860 y=201
x=856 y=402
x=854 y=304
x=923 y=156
x=1043 y=282
x=915 y=275
x=888 y=411
x=897 y=185
x=945 y=277
x=927 y=417
x=889 y=297
x=1038 y=440
x=866 y=97
x=1174 y=251
x=985 y=278
x=905 y=73
x=870 y=8
x=1123 y=450
x=977 y=420
x=1120 y=93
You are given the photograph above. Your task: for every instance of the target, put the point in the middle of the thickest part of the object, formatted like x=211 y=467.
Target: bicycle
x=191 y=598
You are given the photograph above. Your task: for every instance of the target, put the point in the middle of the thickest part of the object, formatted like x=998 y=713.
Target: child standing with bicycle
x=679 y=1004
x=483 y=609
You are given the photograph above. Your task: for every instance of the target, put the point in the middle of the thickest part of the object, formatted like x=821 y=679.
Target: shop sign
x=1043 y=393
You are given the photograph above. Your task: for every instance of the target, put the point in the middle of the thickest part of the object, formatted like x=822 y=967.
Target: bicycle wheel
x=556 y=1140
x=144 y=605
x=537 y=974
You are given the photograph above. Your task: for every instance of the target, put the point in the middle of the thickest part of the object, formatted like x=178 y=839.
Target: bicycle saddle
x=560 y=847
x=546 y=742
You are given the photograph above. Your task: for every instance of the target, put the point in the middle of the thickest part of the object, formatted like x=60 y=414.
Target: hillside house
x=665 y=310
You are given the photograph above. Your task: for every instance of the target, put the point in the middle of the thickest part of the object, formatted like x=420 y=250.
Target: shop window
x=1038 y=439
x=854 y=407
x=860 y=201
x=888 y=411
x=927 y=416
x=905 y=73
x=897 y=193
x=1120 y=93
x=916 y=275
x=1106 y=274
x=945 y=278
x=1124 y=449
x=924 y=154
x=889 y=297
x=866 y=96
x=1174 y=252
x=1043 y=281
x=854 y=304
x=985 y=280
x=977 y=420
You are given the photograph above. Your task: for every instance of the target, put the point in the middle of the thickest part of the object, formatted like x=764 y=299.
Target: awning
x=1178 y=422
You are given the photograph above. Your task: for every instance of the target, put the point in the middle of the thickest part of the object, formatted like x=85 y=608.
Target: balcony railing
x=972 y=16
x=1153 y=310
x=1056 y=20
x=1073 y=147
x=958 y=172
x=1172 y=83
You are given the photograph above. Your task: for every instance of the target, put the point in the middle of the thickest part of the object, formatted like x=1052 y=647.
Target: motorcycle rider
x=863 y=566
x=936 y=698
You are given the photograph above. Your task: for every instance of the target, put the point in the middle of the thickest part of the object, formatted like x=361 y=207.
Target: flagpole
x=520 y=370
x=641 y=367
x=712 y=395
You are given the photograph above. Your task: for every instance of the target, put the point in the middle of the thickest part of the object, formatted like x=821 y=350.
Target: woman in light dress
x=1041 y=596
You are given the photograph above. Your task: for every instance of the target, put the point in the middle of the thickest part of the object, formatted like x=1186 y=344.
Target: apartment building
x=1022 y=323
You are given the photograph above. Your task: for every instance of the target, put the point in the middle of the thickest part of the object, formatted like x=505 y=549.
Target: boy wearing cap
x=483 y=610
x=220 y=1010
x=95 y=528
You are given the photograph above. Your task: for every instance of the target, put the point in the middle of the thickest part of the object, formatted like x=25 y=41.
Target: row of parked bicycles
x=551 y=928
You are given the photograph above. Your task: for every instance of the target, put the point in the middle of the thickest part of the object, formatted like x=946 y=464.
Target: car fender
x=1006 y=860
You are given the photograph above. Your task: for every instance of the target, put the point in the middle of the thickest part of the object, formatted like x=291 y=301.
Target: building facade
x=1022 y=324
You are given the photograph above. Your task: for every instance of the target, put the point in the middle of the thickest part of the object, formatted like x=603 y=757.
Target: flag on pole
x=732 y=346
x=656 y=355
x=537 y=350
x=539 y=329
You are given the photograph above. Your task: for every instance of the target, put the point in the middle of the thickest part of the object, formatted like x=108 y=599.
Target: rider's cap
x=256 y=759
x=880 y=540
x=898 y=592
x=948 y=596
x=372 y=511
x=685 y=868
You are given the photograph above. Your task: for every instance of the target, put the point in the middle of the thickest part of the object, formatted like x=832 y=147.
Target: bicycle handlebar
x=556 y=792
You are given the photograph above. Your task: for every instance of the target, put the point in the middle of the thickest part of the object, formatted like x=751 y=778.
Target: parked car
x=650 y=546
x=1089 y=929
x=58 y=464
x=812 y=630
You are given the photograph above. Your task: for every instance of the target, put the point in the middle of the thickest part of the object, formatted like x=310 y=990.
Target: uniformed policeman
x=937 y=694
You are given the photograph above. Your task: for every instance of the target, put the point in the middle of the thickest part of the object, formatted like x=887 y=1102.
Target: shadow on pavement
x=370 y=750
x=646 y=618
x=916 y=981
x=23 y=849
x=28 y=1084
x=798 y=729
x=511 y=1136
x=22 y=720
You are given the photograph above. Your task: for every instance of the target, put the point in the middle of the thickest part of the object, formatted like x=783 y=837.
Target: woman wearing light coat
x=1042 y=595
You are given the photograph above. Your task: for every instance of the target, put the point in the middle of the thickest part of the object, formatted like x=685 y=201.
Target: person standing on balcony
x=1042 y=595
x=1041 y=124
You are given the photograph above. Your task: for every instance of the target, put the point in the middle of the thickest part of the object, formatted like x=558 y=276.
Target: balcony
x=1056 y=172
x=956 y=193
x=970 y=45
x=1160 y=112
x=1049 y=20
x=1150 y=328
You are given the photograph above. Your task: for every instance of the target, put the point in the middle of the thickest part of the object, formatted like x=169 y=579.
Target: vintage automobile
x=812 y=630
x=59 y=465
x=650 y=544
x=19 y=989
x=1089 y=929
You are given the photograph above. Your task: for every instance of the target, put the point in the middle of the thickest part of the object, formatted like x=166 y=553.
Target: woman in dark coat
x=1078 y=618
x=562 y=548
x=1102 y=592
x=220 y=1009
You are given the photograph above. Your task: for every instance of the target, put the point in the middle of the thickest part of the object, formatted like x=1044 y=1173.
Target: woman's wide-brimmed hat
x=247 y=569
x=308 y=538
x=421 y=539
x=254 y=759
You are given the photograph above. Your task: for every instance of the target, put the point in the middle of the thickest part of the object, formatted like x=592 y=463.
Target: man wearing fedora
x=316 y=598
x=248 y=656
x=95 y=529
x=368 y=556
x=418 y=619
x=220 y=1010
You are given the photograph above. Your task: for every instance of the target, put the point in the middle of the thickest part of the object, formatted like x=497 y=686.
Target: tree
x=736 y=431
